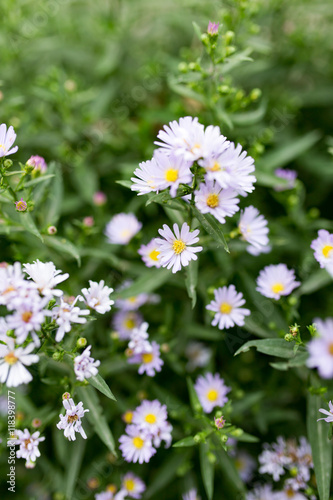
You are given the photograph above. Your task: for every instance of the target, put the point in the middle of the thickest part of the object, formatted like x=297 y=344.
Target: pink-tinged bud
x=93 y=483
x=30 y=464
x=4 y=264
x=51 y=230
x=21 y=206
x=69 y=299
x=66 y=395
x=213 y=28
x=219 y=422
x=88 y=221
x=36 y=423
x=99 y=198
x=38 y=163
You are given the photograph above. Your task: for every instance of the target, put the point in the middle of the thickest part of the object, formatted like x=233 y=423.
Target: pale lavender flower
x=150 y=253
x=289 y=493
x=13 y=286
x=151 y=417
x=136 y=446
x=323 y=250
x=28 y=318
x=171 y=171
x=253 y=228
x=145 y=181
x=198 y=355
x=38 y=162
x=276 y=280
x=329 y=414
x=65 y=314
x=264 y=492
x=245 y=465
x=175 y=249
x=104 y=495
x=46 y=277
x=85 y=366
x=121 y=228
x=131 y=303
x=274 y=459
x=191 y=495
x=211 y=391
x=13 y=361
x=321 y=348
x=71 y=423
x=213 y=28
x=139 y=340
x=7 y=139
x=28 y=445
x=231 y=168
x=133 y=485
x=97 y=296
x=150 y=362
x=227 y=305
x=124 y=321
x=289 y=176
x=211 y=198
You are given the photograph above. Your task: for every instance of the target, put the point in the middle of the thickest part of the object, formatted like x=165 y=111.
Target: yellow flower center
x=212 y=395
x=277 y=288
x=129 y=484
x=178 y=246
x=327 y=250
x=125 y=233
x=129 y=323
x=147 y=357
x=72 y=418
x=171 y=175
x=132 y=299
x=26 y=316
x=9 y=289
x=195 y=147
x=154 y=255
x=26 y=442
x=10 y=358
x=128 y=417
x=216 y=167
x=150 y=418
x=138 y=442
x=225 y=308
x=330 y=348
x=111 y=487
x=213 y=200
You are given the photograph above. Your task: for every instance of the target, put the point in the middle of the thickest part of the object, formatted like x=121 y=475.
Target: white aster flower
x=254 y=230
x=289 y=493
x=329 y=414
x=46 y=277
x=28 y=318
x=145 y=181
x=121 y=228
x=211 y=391
x=131 y=303
x=264 y=492
x=65 y=314
x=323 y=250
x=13 y=286
x=133 y=485
x=211 y=198
x=321 y=348
x=105 y=495
x=124 y=321
x=7 y=139
x=227 y=305
x=71 y=423
x=136 y=445
x=85 y=366
x=150 y=254
x=175 y=249
x=171 y=171
x=139 y=340
x=276 y=280
x=13 y=361
x=28 y=445
x=198 y=355
x=97 y=296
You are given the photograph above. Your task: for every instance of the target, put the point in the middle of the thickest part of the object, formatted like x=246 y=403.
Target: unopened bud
x=51 y=230
x=81 y=342
x=229 y=36
x=36 y=423
x=57 y=356
x=199 y=437
x=93 y=483
x=289 y=338
x=21 y=206
x=66 y=395
x=7 y=163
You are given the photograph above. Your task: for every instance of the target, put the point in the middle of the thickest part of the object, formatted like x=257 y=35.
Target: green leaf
x=321 y=446
x=316 y=281
x=194 y=400
x=247 y=438
x=230 y=473
x=184 y=443
x=29 y=225
x=99 y=383
x=62 y=245
x=73 y=464
x=249 y=117
x=52 y=207
x=236 y=60
x=191 y=281
x=95 y=416
x=126 y=184
x=272 y=347
x=212 y=227
x=207 y=470
x=148 y=282
x=38 y=180
x=39 y=190
x=166 y=473
x=197 y=29
x=105 y=256
x=185 y=91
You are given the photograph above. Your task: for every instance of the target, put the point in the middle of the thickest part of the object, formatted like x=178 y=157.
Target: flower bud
x=237 y=432
x=66 y=395
x=93 y=483
x=255 y=94
x=36 y=423
x=51 y=230
x=81 y=342
x=199 y=437
x=21 y=206
x=7 y=163
x=289 y=338
x=57 y=356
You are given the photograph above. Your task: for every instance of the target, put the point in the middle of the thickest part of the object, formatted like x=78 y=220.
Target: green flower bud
x=57 y=356
x=229 y=36
x=292 y=300
x=182 y=67
x=255 y=94
x=230 y=50
x=289 y=338
x=81 y=342
x=7 y=163
x=66 y=395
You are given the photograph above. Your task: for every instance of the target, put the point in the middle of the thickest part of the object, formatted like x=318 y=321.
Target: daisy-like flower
x=28 y=445
x=65 y=314
x=231 y=168
x=85 y=366
x=28 y=318
x=211 y=391
x=323 y=250
x=7 y=139
x=13 y=361
x=191 y=495
x=198 y=355
x=133 y=485
x=321 y=348
x=38 y=163
x=121 y=228
x=13 y=286
x=46 y=277
x=104 y=495
x=175 y=249
x=254 y=230
x=145 y=180
x=125 y=321
x=150 y=254
x=288 y=175
x=136 y=446
x=139 y=340
x=151 y=361
x=276 y=280
x=288 y=493
x=71 y=423
x=329 y=414
x=274 y=459
x=97 y=296
x=150 y=417
x=131 y=303
x=245 y=465
x=227 y=305
x=211 y=198
x=264 y=492
x=171 y=171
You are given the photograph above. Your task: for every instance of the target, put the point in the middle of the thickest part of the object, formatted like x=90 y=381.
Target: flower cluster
x=148 y=428
x=131 y=487
x=141 y=351
x=71 y=423
x=28 y=446
x=211 y=391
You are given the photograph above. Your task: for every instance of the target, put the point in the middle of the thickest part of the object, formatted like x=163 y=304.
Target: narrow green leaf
x=212 y=227
x=194 y=400
x=105 y=256
x=207 y=470
x=316 y=281
x=321 y=446
x=197 y=29
x=99 y=383
x=74 y=460
x=95 y=416
x=230 y=473
x=166 y=473
x=38 y=180
x=148 y=282
x=272 y=347
x=184 y=443
x=247 y=438
x=29 y=225
x=249 y=117
x=52 y=206
x=63 y=245
x=126 y=184
x=191 y=281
